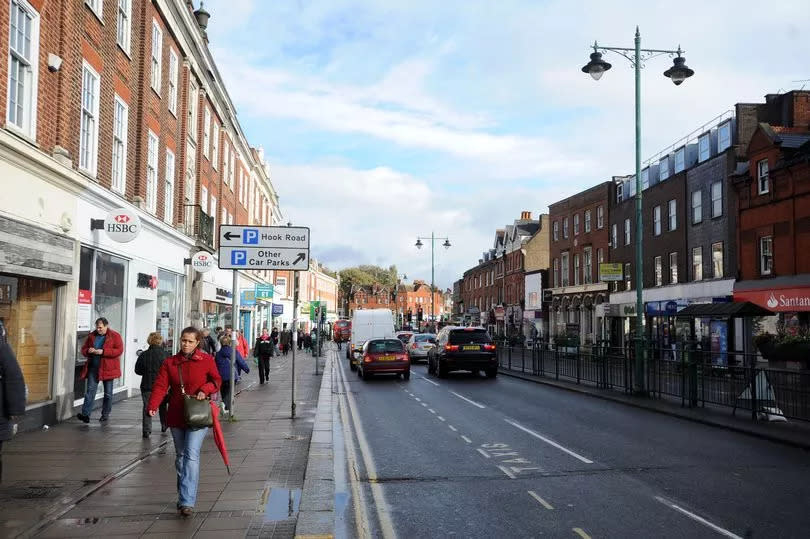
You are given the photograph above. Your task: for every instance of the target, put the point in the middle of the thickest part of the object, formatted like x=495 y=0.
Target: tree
x=366 y=275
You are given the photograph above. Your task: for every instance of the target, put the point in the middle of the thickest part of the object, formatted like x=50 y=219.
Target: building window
x=717 y=260
x=157 y=56
x=765 y=255
x=88 y=143
x=614 y=236
x=168 y=194
x=628 y=282
x=23 y=67
x=556 y=230
x=151 y=173
x=232 y=171
x=697 y=206
x=697 y=264
x=215 y=149
x=762 y=177
x=124 y=24
x=192 y=110
x=645 y=179
x=174 y=63
x=577 y=278
x=673 y=214
x=704 y=147
x=119 y=149
x=673 y=268
x=214 y=211
x=600 y=217
x=564 y=268
x=587 y=221
x=724 y=137
x=619 y=192
x=576 y=224
x=565 y=228
x=588 y=265
x=663 y=169
x=657 y=221
x=659 y=271
x=627 y=231
x=204 y=199
x=680 y=160
x=206 y=132
x=717 y=199
x=96 y=5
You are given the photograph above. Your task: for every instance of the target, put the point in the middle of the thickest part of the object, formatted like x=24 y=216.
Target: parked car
x=383 y=356
x=404 y=336
x=463 y=348
x=368 y=324
x=419 y=345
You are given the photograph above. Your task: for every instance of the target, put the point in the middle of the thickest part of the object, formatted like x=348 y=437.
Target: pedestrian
x=209 y=344
x=300 y=339
x=223 y=359
x=286 y=339
x=102 y=348
x=274 y=338
x=307 y=341
x=148 y=366
x=200 y=379
x=218 y=333
x=241 y=343
x=263 y=351
x=12 y=392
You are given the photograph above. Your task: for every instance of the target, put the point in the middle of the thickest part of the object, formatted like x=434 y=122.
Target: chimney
x=525 y=215
x=789 y=110
x=202 y=20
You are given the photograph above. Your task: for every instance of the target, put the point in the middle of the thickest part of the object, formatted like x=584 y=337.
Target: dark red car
x=383 y=356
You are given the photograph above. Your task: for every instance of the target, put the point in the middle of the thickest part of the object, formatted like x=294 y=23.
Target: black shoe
x=164 y=429
x=83 y=418
x=102 y=418
x=147 y=434
x=186 y=511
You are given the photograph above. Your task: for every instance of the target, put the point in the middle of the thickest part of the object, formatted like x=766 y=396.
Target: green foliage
x=366 y=275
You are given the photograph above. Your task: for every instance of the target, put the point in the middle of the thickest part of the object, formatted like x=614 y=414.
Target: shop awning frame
x=736 y=309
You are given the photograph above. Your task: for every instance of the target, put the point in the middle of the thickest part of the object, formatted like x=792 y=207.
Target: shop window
x=27 y=312
x=169 y=302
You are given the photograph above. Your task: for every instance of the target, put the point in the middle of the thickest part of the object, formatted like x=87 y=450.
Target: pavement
x=78 y=480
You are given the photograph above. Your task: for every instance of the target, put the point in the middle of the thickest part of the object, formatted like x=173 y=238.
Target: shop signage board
x=610 y=272
x=122 y=225
x=247 y=298
x=777 y=300
x=264 y=291
x=202 y=261
x=264 y=247
x=278 y=309
x=84 y=313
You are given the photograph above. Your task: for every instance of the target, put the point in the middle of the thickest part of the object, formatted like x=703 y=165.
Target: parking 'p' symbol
x=238 y=257
x=250 y=236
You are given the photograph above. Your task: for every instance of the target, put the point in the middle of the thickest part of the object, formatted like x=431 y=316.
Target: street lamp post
x=678 y=73
x=446 y=245
x=397 y=311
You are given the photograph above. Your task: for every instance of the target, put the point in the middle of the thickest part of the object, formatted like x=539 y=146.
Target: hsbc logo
x=122 y=225
x=202 y=261
x=121 y=218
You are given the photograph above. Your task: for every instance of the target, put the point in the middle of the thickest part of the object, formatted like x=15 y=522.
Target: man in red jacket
x=103 y=349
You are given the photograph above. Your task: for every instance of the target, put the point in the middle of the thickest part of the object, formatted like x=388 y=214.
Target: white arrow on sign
x=263 y=258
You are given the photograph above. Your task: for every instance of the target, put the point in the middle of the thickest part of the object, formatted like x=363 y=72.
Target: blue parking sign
x=250 y=236
x=238 y=257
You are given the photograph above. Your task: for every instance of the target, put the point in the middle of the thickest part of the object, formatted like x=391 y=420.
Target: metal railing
x=696 y=378
x=198 y=224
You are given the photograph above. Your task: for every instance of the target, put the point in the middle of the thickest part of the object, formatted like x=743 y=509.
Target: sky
x=384 y=121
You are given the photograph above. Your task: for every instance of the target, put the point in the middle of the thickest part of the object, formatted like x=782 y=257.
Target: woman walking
x=148 y=366
x=223 y=359
x=200 y=379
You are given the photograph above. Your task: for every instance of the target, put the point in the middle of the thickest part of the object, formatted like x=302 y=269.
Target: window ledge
x=21 y=134
x=124 y=51
x=95 y=13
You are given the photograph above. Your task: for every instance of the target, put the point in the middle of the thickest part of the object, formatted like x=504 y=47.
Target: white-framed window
x=168 y=193
x=763 y=185
x=697 y=206
x=204 y=199
x=766 y=255
x=556 y=272
x=672 y=209
x=614 y=235
x=225 y=160
x=576 y=224
x=193 y=102
x=717 y=199
x=587 y=265
x=628 y=281
x=556 y=230
x=232 y=170
x=97 y=6
x=588 y=221
x=157 y=55
x=215 y=146
x=119 y=145
x=565 y=228
x=619 y=192
x=600 y=217
x=206 y=132
x=577 y=278
x=214 y=211
x=23 y=75
x=663 y=169
x=564 y=268
x=645 y=179
x=717 y=260
x=673 y=268
x=88 y=141
x=174 y=69
x=627 y=231
x=151 y=173
x=724 y=136
x=659 y=271
x=224 y=218
x=124 y=25
x=680 y=160
x=657 y=221
x=230 y=218
x=704 y=147
x=697 y=263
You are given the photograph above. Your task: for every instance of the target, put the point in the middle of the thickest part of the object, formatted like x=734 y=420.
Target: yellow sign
x=610 y=272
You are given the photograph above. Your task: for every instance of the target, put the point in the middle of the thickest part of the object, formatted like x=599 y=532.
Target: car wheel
x=442 y=369
x=352 y=366
x=492 y=373
x=366 y=376
x=406 y=375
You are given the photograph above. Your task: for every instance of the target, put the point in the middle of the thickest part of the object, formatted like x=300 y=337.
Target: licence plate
x=386 y=358
x=468 y=347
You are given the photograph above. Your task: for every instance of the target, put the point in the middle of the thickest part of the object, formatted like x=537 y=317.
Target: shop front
x=217 y=306
x=788 y=297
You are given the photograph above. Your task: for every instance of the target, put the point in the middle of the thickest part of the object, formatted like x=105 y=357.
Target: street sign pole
x=294 y=330
x=235 y=324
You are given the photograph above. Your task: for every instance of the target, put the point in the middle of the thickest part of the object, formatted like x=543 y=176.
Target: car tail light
x=489 y=347
x=414 y=346
x=367 y=359
x=404 y=358
x=451 y=347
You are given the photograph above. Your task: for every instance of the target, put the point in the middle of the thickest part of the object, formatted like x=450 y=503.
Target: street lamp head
x=596 y=67
x=446 y=244
x=679 y=72
x=419 y=244
x=404 y=277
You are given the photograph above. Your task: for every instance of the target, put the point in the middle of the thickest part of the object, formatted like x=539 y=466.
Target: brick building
x=480 y=293
x=536 y=266
x=376 y=296
x=116 y=108
x=409 y=299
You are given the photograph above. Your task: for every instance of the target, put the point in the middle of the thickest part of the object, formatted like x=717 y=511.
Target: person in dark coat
x=223 y=359
x=102 y=348
x=263 y=351
x=274 y=338
x=148 y=366
x=286 y=341
x=300 y=339
x=12 y=392
x=208 y=344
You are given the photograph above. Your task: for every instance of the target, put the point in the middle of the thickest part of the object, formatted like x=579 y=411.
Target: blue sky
x=385 y=120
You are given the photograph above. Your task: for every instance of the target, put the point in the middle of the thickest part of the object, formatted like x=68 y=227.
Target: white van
x=369 y=324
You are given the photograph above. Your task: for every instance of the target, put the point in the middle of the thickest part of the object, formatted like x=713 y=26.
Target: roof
x=736 y=309
x=793 y=140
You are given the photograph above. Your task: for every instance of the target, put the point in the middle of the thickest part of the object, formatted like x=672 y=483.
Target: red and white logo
x=202 y=261
x=122 y=225
x=122 y=218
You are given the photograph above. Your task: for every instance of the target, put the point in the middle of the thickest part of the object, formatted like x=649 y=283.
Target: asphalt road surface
x=468 y=456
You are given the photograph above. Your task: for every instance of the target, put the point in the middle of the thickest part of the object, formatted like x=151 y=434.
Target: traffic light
x=419 y=314
x=410 y=316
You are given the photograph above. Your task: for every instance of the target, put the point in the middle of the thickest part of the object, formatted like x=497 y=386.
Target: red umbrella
x=219 y=438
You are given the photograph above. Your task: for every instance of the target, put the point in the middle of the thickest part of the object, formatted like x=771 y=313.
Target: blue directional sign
x=264 y=247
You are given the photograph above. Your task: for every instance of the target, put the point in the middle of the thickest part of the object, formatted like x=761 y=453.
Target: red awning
x=779 y=300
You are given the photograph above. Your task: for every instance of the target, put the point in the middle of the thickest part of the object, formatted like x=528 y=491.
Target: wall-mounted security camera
x=54 y=62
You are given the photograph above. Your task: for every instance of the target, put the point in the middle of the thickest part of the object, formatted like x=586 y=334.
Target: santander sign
x=781 y=300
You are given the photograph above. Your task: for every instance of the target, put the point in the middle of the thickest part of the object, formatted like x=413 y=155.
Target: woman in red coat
x=103 y=349
x=200 y=378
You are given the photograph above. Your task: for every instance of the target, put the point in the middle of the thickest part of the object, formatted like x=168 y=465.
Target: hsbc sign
x=202 y=261
x=122 y=225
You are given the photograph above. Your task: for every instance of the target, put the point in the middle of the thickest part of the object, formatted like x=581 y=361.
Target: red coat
x=113 y=347
x=242 y=346
x=199 y=374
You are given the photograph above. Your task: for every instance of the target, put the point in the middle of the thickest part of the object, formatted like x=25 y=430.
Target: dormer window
x=704 y=148
x=645 y=179
x=680 y=160
x=763 y=183
x=619 y=192
x=663 y=169
x=724 y=137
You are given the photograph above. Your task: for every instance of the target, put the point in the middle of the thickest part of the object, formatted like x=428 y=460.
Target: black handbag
x=197 y=413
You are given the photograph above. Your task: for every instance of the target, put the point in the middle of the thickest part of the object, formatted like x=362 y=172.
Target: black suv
x=463 y=348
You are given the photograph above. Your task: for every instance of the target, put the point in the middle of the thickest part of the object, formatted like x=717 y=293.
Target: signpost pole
x=294 y=339
x=235 y=323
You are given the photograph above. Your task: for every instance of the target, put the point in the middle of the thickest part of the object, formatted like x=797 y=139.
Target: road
x=473 y=457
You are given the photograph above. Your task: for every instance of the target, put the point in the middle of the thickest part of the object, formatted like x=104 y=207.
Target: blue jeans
x=90 y=395
x=187 y=445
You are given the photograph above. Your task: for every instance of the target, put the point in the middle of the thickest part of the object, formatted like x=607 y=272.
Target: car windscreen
x=404 y=336
x=465 y=336
x=385 y=346
x=425 y=338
